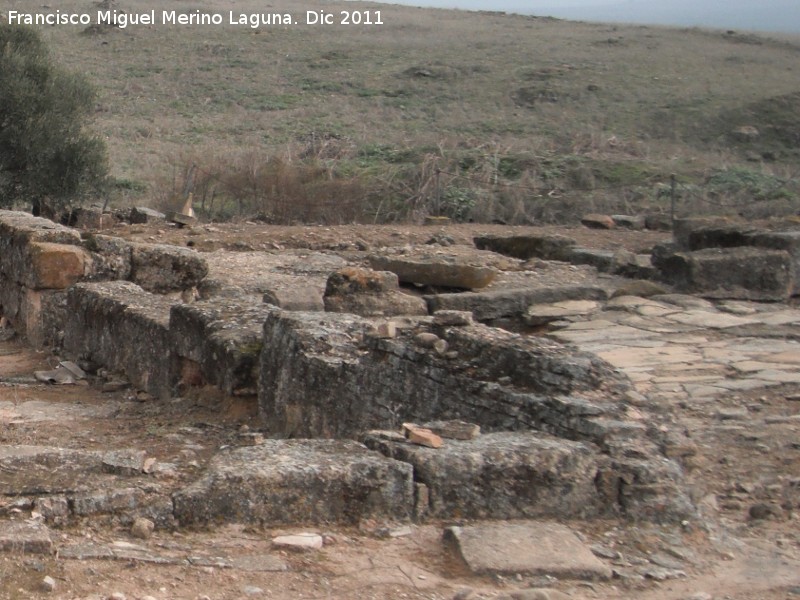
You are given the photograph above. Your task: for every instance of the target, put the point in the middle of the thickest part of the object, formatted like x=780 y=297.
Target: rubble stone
x=596 y=221
x=298 y=481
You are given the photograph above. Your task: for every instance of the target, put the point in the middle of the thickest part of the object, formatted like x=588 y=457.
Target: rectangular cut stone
x=120 y=326
x=499 y=304
x=530 y=548
x=502 y=475
x=25 y=538
x=54 y=266
x=298 y=481
x=223 y=337
x=160 y=268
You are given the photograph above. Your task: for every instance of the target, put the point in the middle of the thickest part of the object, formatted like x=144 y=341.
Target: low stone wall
x=40 y=260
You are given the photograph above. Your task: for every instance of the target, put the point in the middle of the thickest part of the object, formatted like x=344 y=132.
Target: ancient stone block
x=142 y=214
x=720 y=236
x=25 y=538
x=546 y=247
x=533 y=548
x=298 y=481
x=434 y=272
x=737 y=273
x=684 y=227
x=118 y=325
x=782 y=240
x=502 y=475
x=369 y=293
x=341 y=382
x=300 y=297
x=540 y=314
x=160 y=268
x=511 y=303
x=110 y=257
x=223 y=337
x=658 y=222
x=54 y=266
x=34 y=470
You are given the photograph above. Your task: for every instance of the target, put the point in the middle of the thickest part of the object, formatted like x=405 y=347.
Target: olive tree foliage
x=47 y=158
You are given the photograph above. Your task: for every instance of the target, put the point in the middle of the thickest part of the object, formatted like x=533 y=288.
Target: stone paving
x=676 y=347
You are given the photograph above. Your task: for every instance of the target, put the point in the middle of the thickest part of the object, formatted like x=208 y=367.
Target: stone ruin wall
x=109 y=303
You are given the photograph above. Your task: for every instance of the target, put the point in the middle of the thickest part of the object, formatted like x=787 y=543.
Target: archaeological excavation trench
x=334 y=354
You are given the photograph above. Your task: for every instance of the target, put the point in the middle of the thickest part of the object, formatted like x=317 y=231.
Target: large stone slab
x=530 y=548
x=118 y=325
x=298 y=481
x=546 y=247
x=160 y=268
x=739 y=273
x=501 y=475
x=782 y=240
x=25 y=538
x=223 y=338
x=54 y=266
x=510 y=303
x=434 y=271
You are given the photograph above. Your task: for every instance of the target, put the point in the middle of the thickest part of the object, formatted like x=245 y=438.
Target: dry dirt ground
x=725 y=554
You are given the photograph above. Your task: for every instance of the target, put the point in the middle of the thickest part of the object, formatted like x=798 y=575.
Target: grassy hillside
x=523 y=117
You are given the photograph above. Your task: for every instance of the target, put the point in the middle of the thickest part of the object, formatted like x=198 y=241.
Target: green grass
x=540 y=102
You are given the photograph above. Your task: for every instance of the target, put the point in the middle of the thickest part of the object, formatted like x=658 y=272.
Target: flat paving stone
x=532 y=548
x=708 y=319
x=25 y=538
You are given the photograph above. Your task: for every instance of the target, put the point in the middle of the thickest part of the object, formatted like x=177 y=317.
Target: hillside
x=525 y=118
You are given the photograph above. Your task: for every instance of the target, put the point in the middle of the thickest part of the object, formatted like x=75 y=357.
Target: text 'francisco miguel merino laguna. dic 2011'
x=123 y=19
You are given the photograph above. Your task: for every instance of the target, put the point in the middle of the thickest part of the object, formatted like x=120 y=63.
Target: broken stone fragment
x=298 y=541
x=421 y=436
x=142 y=528
x=453 y=318
x=596 y=221
x=454 y=429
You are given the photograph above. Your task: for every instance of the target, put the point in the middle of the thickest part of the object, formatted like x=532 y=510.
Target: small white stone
x=48 y=584
x=299 y=541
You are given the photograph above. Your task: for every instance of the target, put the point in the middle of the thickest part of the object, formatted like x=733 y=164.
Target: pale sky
x=766 y=15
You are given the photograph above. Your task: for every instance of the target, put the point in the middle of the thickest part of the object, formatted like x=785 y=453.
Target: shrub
x=46 y=155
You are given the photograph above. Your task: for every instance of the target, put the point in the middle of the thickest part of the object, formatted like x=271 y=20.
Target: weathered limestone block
x=92 y=218
x=683 y=228
x=298 y=481
x=142 y=214
x=540 y=314
x=223 y=337
x=32 y=470
x=738 y=273
x=18 y=231
x=511 y=303
x=25 y=538
x=544 y=549
x=160 y=268
x=39 y=315
x=502 y=475
x=782 y=240
x=546 y=247
x=53 y=266
x=370 y=294
x=341 y=382
x=296 y=297
x=120 y=326
x=602 y=260
x=720 y=236
x=110 y=257
x=434 y=271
